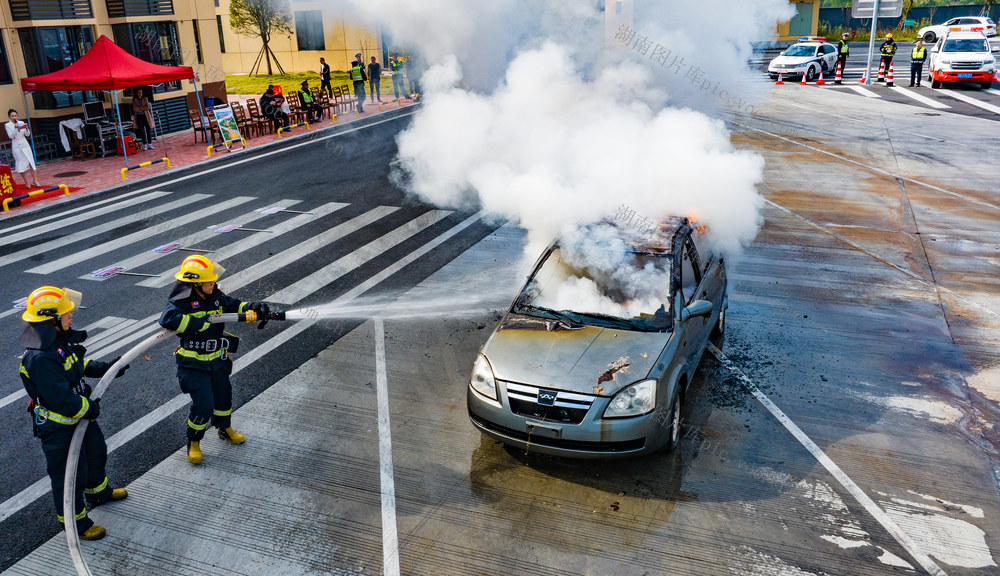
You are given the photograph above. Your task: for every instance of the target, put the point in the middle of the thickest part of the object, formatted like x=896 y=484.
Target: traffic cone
x=996 y=75
x=819 y=79
x=837 y=78
x=888 y=80
x=864 y=77
x=803 y=82
x=780 y=82
x=881 y=71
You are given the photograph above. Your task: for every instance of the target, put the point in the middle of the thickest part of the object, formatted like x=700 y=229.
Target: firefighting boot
x=118 y=494
x=231 y=436
x=95 y=532
x=194 y=452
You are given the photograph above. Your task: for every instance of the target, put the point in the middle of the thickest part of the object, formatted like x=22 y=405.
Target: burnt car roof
x=658 y=240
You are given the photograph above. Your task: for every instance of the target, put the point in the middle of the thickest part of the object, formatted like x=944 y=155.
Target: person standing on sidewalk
x=24 y=159
x=917 y=58
x=396 y=67
x=142 y=119
x=374 y=79
x=52 y=371
x=843 y=50
x=358 y=78
x=324 y=78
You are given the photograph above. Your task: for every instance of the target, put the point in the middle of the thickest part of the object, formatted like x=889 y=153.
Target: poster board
x=228 y=128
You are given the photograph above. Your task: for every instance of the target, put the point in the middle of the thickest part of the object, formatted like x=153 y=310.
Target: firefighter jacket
x=52 y=372
x=844 y=48
x=918 y=55
x=187 y=314
x=888 y=48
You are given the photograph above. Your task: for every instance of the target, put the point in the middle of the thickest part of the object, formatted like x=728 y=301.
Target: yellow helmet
x=50 y=302
x=888 y=36
x=197 y=268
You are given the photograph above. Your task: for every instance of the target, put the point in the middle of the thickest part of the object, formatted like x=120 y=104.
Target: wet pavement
x=865 y=312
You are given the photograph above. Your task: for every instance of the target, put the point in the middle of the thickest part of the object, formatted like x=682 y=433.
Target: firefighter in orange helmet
x=203 y=364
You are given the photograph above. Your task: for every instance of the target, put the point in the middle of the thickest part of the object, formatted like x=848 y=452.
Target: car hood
x=523 y=350
x=792 y=59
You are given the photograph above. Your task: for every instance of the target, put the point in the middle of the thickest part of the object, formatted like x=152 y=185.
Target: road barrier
x=150 y=163
x=208 y=151
x=34 y=195
x=283 y=128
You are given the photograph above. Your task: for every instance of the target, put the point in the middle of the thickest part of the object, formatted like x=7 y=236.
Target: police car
x=810 y=57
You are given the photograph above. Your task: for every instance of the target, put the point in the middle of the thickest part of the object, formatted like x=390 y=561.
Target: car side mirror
x=696 y=308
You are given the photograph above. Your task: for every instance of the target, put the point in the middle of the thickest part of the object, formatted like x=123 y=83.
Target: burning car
x=594 y=356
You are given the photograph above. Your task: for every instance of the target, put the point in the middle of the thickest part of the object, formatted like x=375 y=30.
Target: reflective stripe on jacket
x=357 y=75
x=918 y=54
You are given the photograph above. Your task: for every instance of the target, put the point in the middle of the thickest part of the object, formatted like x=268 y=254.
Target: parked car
x=962 y=57
x=931 y=34
x=810 y=58
x=594 y=356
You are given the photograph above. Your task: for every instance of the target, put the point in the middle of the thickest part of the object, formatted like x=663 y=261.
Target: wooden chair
x=325 y=105
x=248 y=126
x=199 y=128
x=80 y=149
x=255 y=114
x=297 y=114
x=347 y=91
x=344 y=99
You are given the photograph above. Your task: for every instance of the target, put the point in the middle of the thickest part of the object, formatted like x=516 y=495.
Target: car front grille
x=966 y=65
x=575 y=445
x=568 y=407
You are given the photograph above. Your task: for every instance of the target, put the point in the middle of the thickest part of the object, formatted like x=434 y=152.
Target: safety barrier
x=208 y=151
x=15 y=201
x=306 y=124
x=150 y=163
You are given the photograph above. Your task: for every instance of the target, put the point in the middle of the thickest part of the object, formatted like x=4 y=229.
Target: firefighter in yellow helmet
x=203 y=364
x=52 y=371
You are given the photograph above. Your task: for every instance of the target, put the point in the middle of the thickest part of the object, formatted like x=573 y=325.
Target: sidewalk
x=95 y=175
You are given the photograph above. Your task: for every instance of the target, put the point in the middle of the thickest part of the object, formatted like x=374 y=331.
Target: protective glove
x=79 y=350
x=94 y=410
x=260 y=307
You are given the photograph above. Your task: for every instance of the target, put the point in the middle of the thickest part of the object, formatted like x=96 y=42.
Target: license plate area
x=543 y=431
x=965 y=75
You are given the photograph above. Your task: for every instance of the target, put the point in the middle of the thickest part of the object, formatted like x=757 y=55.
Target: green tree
x=261 y=19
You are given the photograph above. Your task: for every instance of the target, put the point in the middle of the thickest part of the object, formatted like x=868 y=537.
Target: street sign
x=886 y=8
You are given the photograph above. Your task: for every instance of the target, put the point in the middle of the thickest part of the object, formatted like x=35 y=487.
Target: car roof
x=964 y=35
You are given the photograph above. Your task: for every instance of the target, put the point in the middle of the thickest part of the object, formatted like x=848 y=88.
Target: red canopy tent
x=107 y=66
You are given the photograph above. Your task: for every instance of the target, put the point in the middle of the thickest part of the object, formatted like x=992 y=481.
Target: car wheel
x=935 y=83
x=810 y=74
x=986 y=85
x=930 y=37
x=718 y=335
x=674 y=437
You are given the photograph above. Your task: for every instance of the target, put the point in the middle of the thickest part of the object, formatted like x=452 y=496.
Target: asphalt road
x=344 y=179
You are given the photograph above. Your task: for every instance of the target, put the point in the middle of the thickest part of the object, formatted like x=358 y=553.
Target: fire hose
x=72 y=460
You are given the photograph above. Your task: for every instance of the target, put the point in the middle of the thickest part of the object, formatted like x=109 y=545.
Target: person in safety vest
x=843 y=50
x=309 y=103
x=888 y=50
x=203 y=364
x=52 y=371
x=917 y=58
x=358 y=77
x=396 y=67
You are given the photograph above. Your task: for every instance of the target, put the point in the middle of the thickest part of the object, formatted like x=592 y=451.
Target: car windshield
x=966 y=45
x=801 y=51
x=610 y=286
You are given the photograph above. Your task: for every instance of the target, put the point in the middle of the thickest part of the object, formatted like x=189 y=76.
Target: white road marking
x=145 y=233
x=240 y=246
x=390 y=537
x=970 y=100
x=10 y=312
x=307 y=247
x=91 y=210
x=331 y=272
x=869 y=505
x=101 y=228
x=864 y=91
x=188 y=241
x=920 y=98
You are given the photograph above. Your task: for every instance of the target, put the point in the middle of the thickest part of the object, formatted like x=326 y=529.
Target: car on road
x=931 y=34
x=962 y=57
x=810 y=58
x=595 y=355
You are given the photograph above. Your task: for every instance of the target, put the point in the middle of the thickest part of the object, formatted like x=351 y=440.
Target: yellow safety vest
x=307 y=97
x=356 y=73
x=396 y=68
x=918 y=52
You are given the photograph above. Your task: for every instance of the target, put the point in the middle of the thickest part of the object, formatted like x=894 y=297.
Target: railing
x=50 y=9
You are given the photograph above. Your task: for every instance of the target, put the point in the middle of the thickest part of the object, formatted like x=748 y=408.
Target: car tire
x=718 y=335
x=930 y=37
x=986 y=85
x=674 y=433
x=935 y=83
x=810 y=74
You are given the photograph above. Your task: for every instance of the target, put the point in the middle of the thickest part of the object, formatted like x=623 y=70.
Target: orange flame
x=693 y=219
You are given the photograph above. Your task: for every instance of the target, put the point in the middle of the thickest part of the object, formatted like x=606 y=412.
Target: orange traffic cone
x=803 y=82
x=864 y=77
x=881 y=71
x=996 y=75
x=780 y=82
x=837 y=78
x=888 y=80
x=819 y=79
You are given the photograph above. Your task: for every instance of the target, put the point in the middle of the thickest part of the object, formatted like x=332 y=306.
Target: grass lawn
x=257 y=84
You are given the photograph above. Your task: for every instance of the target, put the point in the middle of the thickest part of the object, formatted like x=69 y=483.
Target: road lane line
x=864 y=92
x=252 y=241
x=331 y=272
x=920 y=98
x=873 y=509
x=91 y=211
x=390 y=536
x=307 y=247
x=970 y=100
x=101 y=229
x=187 y=218
x=40 y=488
x=187 y=241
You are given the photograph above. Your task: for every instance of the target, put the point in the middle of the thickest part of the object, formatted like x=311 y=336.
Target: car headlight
x=633 y=400
x=945 y=61
x=482 y=380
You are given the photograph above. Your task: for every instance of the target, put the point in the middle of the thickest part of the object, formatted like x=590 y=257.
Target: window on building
x=197 y=42
x=4 y=68
x=154 y=42
x=122 y=8
x=309 y=30
x=222 y=40
x=50 y=9
x=50 y=49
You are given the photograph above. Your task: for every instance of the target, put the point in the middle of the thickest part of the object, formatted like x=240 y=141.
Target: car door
x=830 y=56
x=695 y=330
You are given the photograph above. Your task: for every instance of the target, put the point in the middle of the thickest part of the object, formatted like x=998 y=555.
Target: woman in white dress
x=23 y=158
